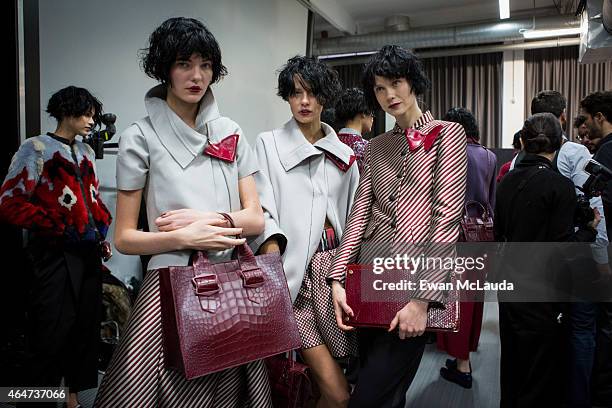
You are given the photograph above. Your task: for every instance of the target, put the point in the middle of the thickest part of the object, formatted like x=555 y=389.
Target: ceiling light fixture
x=559 y=32
x=504 y=9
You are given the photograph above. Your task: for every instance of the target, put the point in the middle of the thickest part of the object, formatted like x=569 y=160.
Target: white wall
x=513 y=102
x=94 y=44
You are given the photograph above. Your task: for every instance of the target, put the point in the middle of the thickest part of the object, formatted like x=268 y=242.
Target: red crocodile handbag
x=218 y=316
x=442 y=317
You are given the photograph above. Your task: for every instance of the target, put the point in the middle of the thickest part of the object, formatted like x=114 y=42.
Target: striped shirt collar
x=422 y=121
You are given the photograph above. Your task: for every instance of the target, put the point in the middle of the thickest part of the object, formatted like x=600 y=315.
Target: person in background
x=481 y=165
x=547 y=101
x=535 y=204
x=597 y=109
x=52 y=190
x=354 y=119
x=307 y=184
x=582 y=133
x=412 y=190
x=570 y=160
x=172 y=159
x=328 y=116
x=516 y=145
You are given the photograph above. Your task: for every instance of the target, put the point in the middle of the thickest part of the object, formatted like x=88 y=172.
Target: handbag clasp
x=252 y=278
x=205 y=284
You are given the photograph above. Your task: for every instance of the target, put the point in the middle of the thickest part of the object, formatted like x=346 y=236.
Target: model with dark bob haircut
x=73 y=102
x=307 y=181
x=350 y=104
x=177 y=39
x=188 y=164
x=354 y=118
x=394 y=62
x=312 y=75
x=52 y=191
x=466 y=118
x=412 y=190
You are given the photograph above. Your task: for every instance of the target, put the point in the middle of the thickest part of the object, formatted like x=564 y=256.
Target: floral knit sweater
x=51 y=189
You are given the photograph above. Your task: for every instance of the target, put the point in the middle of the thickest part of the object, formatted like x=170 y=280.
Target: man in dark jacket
x=597 y=108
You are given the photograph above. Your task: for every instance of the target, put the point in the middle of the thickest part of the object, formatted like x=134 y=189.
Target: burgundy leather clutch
x=217 y=316
x=380 y=312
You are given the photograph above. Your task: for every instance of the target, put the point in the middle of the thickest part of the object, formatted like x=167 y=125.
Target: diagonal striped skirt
x=136 y=376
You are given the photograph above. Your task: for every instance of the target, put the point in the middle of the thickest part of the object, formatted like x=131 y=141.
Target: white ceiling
x=369 y=15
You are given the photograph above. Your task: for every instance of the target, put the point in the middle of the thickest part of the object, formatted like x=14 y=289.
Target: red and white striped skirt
x=136 y=376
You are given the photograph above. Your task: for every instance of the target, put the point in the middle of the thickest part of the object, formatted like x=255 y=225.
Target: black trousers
x=534 y=355
x=64 y=311
x=387 y=367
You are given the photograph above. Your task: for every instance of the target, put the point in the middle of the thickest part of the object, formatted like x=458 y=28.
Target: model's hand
x=341 y=309
x=176 y=219
x=203 y=235
x=271 y=245
x=412 y=319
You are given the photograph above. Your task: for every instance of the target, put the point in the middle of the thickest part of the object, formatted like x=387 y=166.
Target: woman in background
x=481 y=164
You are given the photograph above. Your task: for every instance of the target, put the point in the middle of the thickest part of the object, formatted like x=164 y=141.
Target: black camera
x=97 y=138
x=599 y=176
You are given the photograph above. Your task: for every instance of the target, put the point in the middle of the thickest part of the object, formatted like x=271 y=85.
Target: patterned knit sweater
x=51 y=189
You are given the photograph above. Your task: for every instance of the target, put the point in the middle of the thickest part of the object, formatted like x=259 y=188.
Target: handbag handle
x=485 y=210
x=207 y=282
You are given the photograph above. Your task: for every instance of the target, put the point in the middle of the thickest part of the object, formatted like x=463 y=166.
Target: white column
x=513 y=102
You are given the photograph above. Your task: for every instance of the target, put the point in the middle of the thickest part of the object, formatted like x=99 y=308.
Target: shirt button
x=392 y=197
x=404 y=152
x=399 y=175
x=393 y=222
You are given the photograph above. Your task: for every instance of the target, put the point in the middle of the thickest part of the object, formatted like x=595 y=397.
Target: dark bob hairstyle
x=393 y=62
x=350 y=104
x=466 y=119
x=176 y=39
x=541 y=133
x=313 y=75
x=74 y=102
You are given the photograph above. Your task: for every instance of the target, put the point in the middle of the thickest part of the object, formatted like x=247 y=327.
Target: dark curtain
x=470 y=81
x=558 y=69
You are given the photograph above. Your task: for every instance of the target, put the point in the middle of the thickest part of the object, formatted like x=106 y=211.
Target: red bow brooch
x=416 y=138
x=224 y=150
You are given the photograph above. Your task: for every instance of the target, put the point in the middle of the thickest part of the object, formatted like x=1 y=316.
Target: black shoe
x=451 y=363
x=459 y=378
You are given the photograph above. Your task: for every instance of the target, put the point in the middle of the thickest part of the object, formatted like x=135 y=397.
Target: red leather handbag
x=217 y=316
x=290 y=382
x=479 y=228
x=378 y=313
